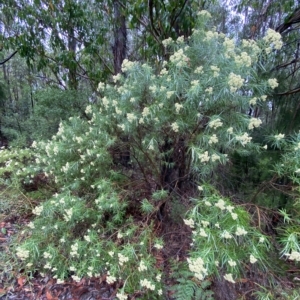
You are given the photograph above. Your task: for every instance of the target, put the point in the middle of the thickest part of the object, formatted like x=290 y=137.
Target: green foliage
x=147 y=207
x=186 y=287
x=162 y=130
x=223 y=238
x=22 y=124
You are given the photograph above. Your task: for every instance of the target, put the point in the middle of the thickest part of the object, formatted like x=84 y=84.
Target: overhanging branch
x=294 y=91
x=8 y=58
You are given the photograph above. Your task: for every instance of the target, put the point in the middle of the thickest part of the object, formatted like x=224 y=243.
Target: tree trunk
x=120 y=38
x=72 y=67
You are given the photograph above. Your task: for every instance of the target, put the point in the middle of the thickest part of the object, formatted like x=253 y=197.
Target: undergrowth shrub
x=154 y=134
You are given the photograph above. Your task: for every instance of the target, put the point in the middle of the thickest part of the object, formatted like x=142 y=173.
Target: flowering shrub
x=223 y=238
x=175 y=125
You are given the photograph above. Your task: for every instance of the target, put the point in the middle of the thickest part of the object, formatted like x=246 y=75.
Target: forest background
x=152 y=144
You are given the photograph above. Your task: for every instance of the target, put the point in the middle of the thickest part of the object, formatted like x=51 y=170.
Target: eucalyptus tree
x=59 y=35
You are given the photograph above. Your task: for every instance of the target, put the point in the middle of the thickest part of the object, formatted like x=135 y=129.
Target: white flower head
x=240 y=231
x=214 y=124
x=213 y=139
x=232 y=263
x=221 y=204
x=175 y=127
x=196 y=266
x=253 y=260
x=204 y=13
x=254 y=122
x=235 y=82
x=189 y=222
x=273 y=83
x=279 y=136
x=202 y=233
x=229 y=278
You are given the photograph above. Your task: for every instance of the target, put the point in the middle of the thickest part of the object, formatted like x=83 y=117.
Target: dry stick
x=258 y=214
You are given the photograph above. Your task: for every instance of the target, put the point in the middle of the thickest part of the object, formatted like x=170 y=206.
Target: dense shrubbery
x=168 y=129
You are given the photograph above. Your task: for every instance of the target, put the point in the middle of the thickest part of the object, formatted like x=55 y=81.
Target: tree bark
x=120 y=38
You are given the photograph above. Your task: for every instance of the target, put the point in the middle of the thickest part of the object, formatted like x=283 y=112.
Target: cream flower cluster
x=211 y=35
x=170 y=94
x=244 y=138
x=65 y=168
x=226 y=235
x=199 y=70
x=243 y=60
x=153 y=88
x=240 y=231
x=232 y=263
x=194 y=83
x=127 y=65
x=178 y=107
x=209 y=90
x=131 y=117
x=122 y=296
x=179 y=58
x=230 y=130
x=229 y=45
x=204 y=223
x=74 y=250
x=146 y=112
x=117 y=77
x=180 y=40
x=101 y=86
x=22 y=253
x=147 y=284
x=142 y=266
x=31 y=225
x=235 y=82
x=175 y=127
x=204 y=13
x=68 y=214
x=252 y=45
x=253 y=260
x=37 y=210
x=295 y=255
x=105 y=102
x=274 y=38
x=87 y=238
x=279 y=136
x=167 y=42
x=253 y=101
x=213 y=139
x=204 y=157
x=47 y=255
x=221 y=204
x=202 y=233
x=122 y=259
x=254 y=122
x=110 y=279
x=158 y=246
x=197 y=267
x=216 y=70
x=273 y=83
x=189 y=222
x=229 y=278
x=215 y=157
x=164 y=71
x=215 y=123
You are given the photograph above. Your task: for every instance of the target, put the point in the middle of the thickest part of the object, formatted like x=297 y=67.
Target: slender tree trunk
x=120 y=38
x=119 y=53
x=73 y=83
